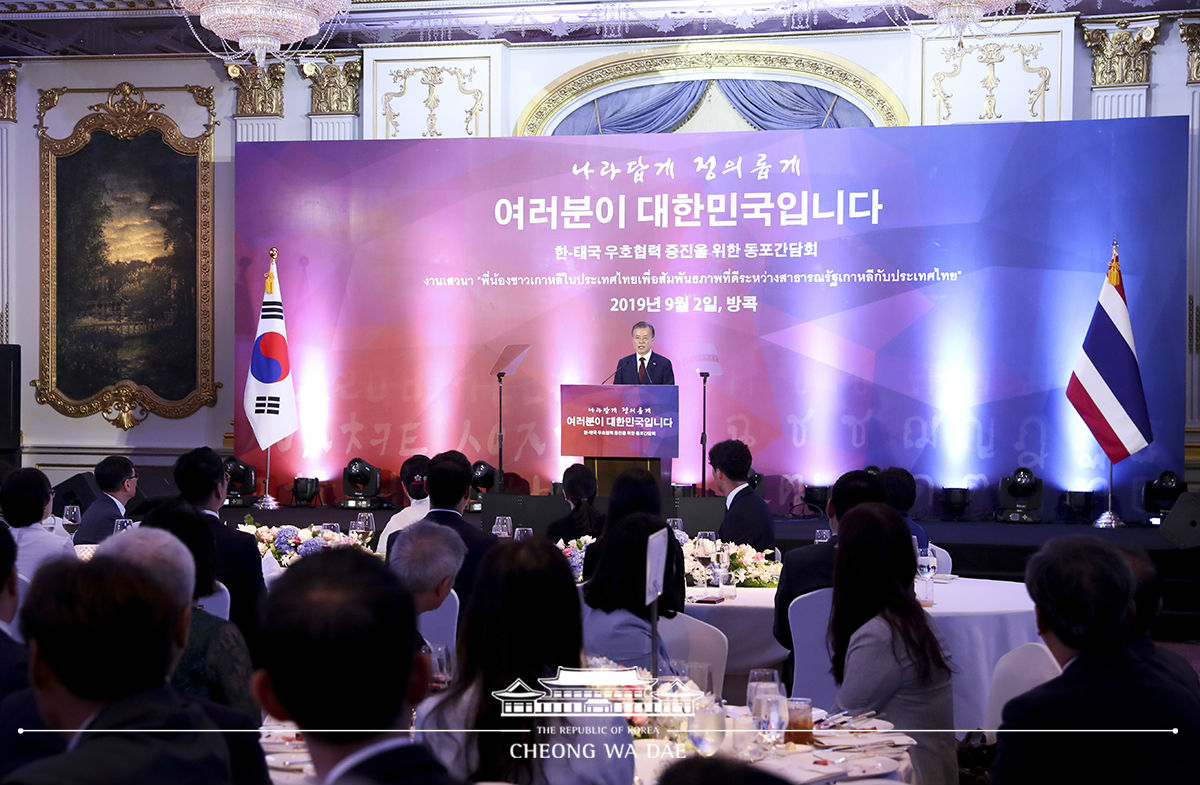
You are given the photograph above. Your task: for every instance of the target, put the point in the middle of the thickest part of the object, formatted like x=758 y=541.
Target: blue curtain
x=773 y=106
x=652 y=109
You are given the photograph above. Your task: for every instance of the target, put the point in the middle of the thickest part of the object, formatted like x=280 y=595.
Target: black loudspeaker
x=10 y=399
x=1182 y=524
x=80 y=489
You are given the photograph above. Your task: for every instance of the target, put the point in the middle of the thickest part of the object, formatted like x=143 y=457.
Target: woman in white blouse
x=25 y=499
x=887 y=655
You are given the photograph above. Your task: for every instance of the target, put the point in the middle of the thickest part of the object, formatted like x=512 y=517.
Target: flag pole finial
x=275 y=252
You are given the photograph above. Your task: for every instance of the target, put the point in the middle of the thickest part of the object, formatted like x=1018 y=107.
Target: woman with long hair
x=579 y=488
x=635 y=490
x=886 y=654
x=522 y=622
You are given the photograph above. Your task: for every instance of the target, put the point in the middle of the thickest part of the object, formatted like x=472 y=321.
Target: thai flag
x=270 y=398
x=1106 y=386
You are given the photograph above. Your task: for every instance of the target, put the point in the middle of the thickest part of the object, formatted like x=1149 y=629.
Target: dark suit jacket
x=97 y=521
x=14 y=666
x=477 y=540
x=804 y=569
x=748 y=521
x=1111 y=690
x=410 y=763
x=239 y=567
x=658 y=370
x=140 y=757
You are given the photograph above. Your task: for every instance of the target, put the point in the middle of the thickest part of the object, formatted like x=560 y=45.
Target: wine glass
x=522 y=533
x=675 y=523
x=706 y=546
x=503 y=526
x=440 y=656
x=71 y=519
x=822 y=535
x=706 y=729
x=330 y=533
x=121 y=524
x=363 y=527
x=770 y=675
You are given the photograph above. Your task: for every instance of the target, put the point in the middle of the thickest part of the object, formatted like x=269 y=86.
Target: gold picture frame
x=126 y=259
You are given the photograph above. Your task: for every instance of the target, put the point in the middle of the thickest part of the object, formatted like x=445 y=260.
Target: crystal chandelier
x=262 y=27
x=959 y=18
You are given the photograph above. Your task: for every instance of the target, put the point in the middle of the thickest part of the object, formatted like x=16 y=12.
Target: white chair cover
x=945 y=564
x=216 y=603
x=808 y=616
x=1018 y=671
x=440 y=626
x=690 y=639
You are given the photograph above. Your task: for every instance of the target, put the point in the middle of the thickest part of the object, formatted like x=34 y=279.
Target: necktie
x=642 y=370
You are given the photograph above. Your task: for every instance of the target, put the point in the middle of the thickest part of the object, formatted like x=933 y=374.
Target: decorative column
x=1189 y=32
x=8 y=119
x=334 y=88
x=259 y=110
x=1120 y=65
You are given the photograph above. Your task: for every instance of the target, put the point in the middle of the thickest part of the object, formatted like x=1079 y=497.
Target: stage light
x=1159 y=496
x=817 y=498
x=954 y=503
x=360 y=484
x=1020 y=497
x=305 y=490
x=754 y=479
x=243 y=482
x=1079 y=505
x=483 y=476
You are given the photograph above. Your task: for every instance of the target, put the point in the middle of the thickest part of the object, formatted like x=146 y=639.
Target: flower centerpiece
x=751 y=569
x=574 y=550
x=287 y=544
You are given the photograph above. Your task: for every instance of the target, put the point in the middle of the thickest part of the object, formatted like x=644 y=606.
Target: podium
x=619 y=426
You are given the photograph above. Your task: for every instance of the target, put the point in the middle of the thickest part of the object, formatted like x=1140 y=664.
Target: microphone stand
x=703 y=433
x=500 y=439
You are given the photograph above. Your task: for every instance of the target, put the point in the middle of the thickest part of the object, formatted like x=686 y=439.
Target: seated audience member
x=616 y=619
x=117 y=480
x=216 y=663
x=1147 y=602
x=887 y=656
x=522 y=623
x=900 y=491
x=25 y=498
x=412 y=476
x=1082 y=591
x=202 y=482
x=748 y=520
x=584 y=520
x=14 y=660
x=811 y=567
x=102 y=635
x=634 y=490
x=449 y=485
x=717 y=770
x=332 y=609
x=427 y=558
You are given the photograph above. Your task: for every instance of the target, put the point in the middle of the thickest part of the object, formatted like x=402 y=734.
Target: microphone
x=610 y=376
x=703 y=374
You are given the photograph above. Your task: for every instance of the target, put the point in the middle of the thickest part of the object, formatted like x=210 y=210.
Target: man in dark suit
x=338 y=606
x=202 y=481
x=1082 y=591
x=900 y=491
x=449 y=484
x=14 y=660
x=748 y=520
x=811 y=567
x=117 y=478
x=103 y=635
x=644 y=366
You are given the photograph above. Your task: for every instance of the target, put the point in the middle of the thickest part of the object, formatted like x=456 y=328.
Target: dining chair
x=22 y=587
x=1016 y=672
x=688 y=638
x=216 y=603
x=440 y=626
x=945 y=564
x=808 y=617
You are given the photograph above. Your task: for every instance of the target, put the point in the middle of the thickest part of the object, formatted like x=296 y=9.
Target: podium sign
x=620 y=421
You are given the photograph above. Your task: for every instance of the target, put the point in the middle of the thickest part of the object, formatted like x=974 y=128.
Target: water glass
x=121 y=524
x=800 y=724
x=772 y=714
x=926 y=569
x=761 y=689
x=706 y=729
x=523 y=532
x=745 y=731
x=764 y=674
x=71 y=518
x=728 y=584
x=502 y=527
x=821 y=536
x=701 y=675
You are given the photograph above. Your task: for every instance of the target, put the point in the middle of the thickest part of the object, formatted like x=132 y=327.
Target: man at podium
x=644 y=366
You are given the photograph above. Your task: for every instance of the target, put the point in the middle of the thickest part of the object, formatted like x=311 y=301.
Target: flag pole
x=267 y=501
x=1109 y=519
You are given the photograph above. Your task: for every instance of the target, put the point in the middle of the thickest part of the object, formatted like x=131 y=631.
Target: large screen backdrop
x=897 y=296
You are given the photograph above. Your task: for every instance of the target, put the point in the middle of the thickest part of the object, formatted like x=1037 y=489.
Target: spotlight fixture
x=955 y=502
x=360 y=484
x=754 y=479
x=1020 y=497
x=817 y=498
x=243 y=482
x=305 y=490
x=1078 y=506
x=1159 y=496
x=483 y=476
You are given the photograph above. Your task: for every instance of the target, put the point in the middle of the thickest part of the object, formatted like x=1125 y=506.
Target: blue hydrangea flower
x=284 y=537
x=309 y=547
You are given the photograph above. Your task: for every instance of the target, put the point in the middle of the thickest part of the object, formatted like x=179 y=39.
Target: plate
x=944 y=577
x=288 y=761
x=869 y=725
x=869 y=767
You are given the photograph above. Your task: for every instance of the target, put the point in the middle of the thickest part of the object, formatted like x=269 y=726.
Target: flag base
x=266 y=502
x=1108 y=520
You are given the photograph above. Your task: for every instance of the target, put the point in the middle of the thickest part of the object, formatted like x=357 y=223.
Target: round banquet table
x=979 y=619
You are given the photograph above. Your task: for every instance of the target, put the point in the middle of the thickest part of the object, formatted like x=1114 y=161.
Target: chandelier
x=959 y=18
x=262 y=27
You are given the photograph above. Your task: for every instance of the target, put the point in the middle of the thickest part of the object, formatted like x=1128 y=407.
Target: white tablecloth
x=979 y=619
